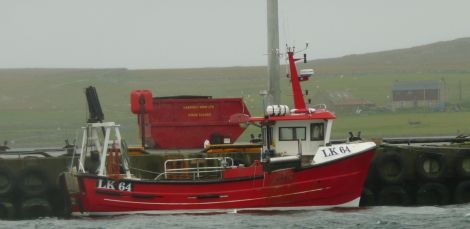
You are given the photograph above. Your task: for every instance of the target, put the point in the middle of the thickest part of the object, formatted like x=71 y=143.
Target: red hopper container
x=185 y=122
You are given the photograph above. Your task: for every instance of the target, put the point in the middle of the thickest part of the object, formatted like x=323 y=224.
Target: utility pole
x=274 y=85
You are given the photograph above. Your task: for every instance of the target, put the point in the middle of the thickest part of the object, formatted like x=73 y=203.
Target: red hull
x=330 y=184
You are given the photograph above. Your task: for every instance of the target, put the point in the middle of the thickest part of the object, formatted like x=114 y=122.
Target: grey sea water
x=456 y=216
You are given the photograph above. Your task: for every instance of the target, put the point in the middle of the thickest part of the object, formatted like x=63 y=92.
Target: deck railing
x=195 y=168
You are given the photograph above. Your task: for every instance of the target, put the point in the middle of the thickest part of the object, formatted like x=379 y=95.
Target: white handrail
x=196 y=170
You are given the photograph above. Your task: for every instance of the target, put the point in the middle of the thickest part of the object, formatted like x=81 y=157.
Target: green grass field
x=397 y=124
x=45 y=107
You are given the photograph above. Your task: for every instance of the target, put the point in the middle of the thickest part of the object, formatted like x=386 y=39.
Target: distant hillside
x=42 y=107
x=441 y=57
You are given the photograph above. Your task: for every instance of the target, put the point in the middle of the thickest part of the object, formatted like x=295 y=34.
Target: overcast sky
x=199 y=33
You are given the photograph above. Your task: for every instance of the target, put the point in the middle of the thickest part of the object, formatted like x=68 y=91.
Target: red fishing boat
x=298 y=168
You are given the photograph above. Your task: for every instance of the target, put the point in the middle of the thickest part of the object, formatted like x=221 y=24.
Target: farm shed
x=414 y=94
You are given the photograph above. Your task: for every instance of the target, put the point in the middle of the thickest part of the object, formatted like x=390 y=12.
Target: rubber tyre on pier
x=7 y=209
x=431 y=166
x=431 y=194
x=33 y=181
x=35 y=208
x=462 y=165
x=390 y=167
x=7 y=181
x=367 y=197
x=462 y=192
x=61 y=204
x=393 y=196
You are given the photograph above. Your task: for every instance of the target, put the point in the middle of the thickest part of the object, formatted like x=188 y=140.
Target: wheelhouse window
x=291 y=133
x=317 y=131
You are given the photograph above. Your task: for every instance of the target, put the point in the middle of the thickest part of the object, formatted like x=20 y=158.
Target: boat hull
x=337 y=183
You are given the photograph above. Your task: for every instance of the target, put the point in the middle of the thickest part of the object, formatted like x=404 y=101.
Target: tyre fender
x=393 y=196
x=390 y=167
x=7 y=181
x=7 y=209
x=462 y=165
x=433 y=194
x=367 y=197
x=33 y=181
x=462 y=192
x=35 y=207
x=431 y=166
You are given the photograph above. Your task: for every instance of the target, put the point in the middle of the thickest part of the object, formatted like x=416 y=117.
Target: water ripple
x=457 y=216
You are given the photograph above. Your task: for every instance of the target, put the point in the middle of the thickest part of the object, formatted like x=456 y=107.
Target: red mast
x=299 y=101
